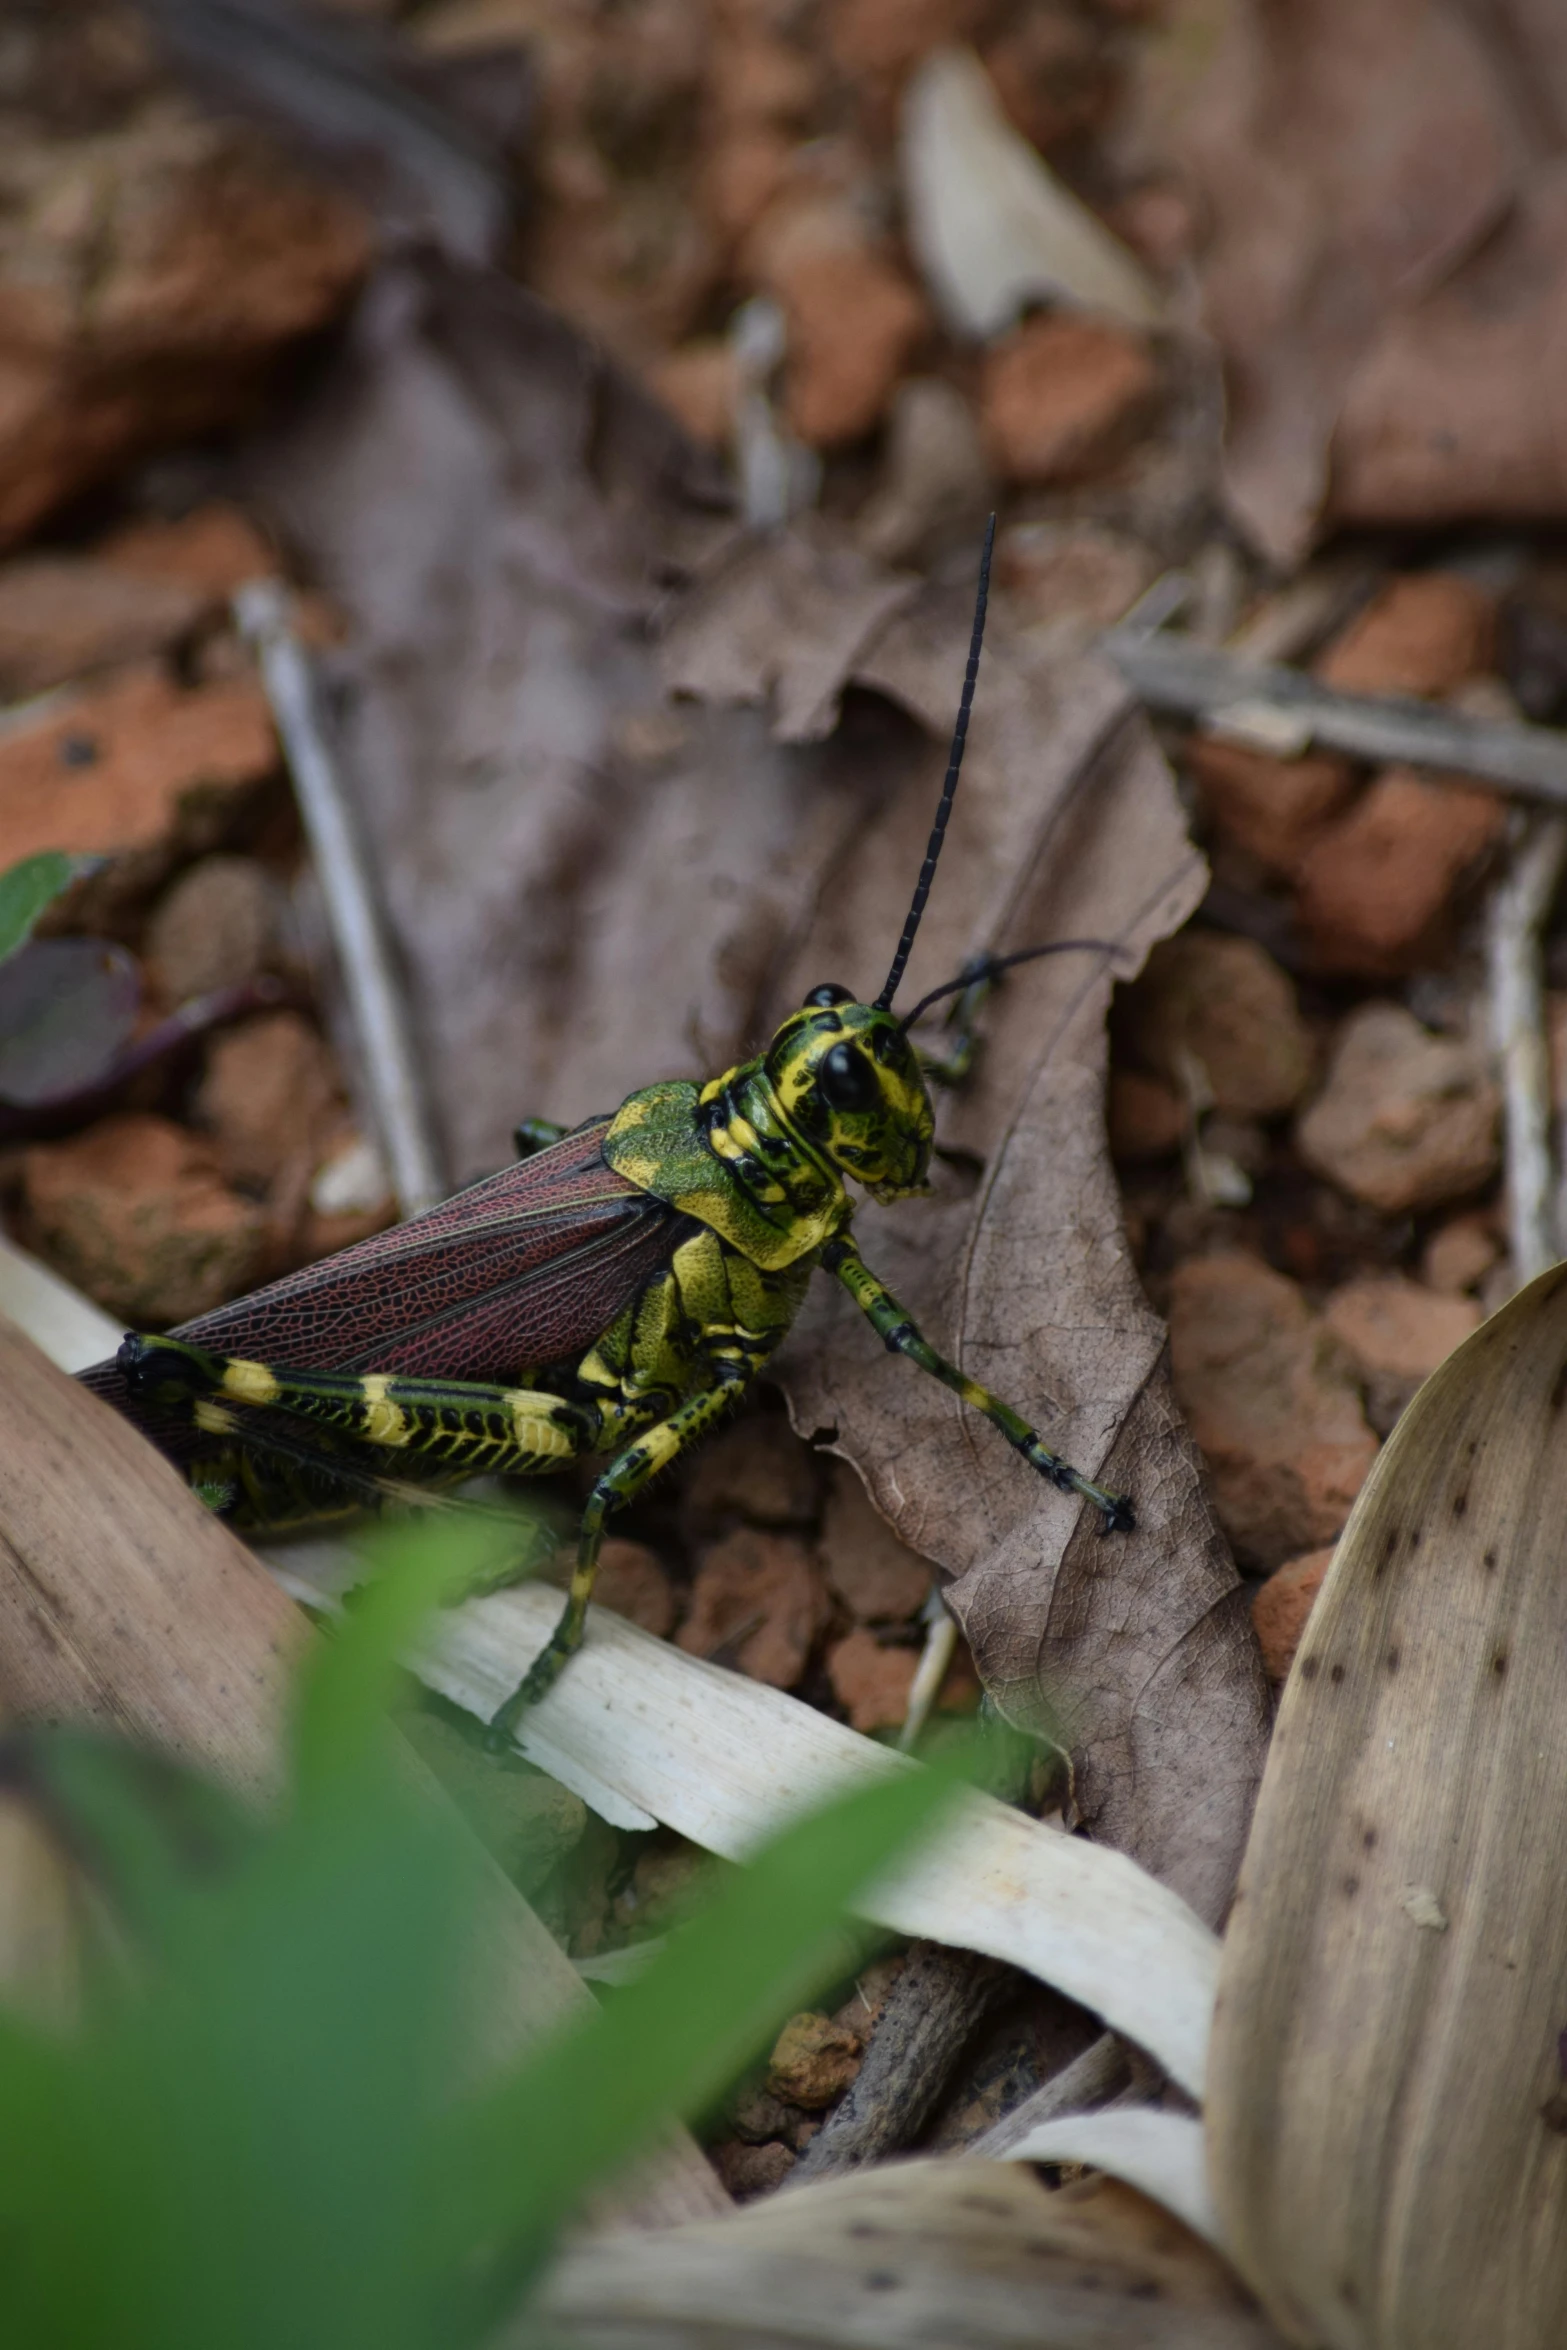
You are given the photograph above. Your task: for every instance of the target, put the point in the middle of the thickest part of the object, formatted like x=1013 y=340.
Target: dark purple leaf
x=67 y=1009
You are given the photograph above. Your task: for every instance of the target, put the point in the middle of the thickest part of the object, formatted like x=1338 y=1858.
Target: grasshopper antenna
x=992 y=966
x=954 y=768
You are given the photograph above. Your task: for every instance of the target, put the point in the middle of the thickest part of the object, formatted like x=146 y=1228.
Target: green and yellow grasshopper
x=615 y=1292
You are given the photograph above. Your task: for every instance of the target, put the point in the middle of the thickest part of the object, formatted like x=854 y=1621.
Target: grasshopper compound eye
x=823 y=998
x=845 y=1080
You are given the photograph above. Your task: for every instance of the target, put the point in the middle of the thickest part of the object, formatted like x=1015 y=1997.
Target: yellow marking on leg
x=385 y=1422
x=533 y=1433
x=212 y=1419
x=250 y=1383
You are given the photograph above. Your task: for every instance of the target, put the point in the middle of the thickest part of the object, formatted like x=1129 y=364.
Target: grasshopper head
x=847 y=1080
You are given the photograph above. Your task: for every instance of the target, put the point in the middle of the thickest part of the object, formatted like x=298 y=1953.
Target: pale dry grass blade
x=66 y=1326
x=727 y=1761
x=1161 y=2154
x=925 y=2255
x=1387 y=2114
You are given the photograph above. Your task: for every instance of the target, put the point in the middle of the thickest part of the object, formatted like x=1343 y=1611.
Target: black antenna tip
x=954 y=768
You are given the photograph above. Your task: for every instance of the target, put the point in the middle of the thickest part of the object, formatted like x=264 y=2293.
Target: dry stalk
x=358 y=933
x=1519 y=907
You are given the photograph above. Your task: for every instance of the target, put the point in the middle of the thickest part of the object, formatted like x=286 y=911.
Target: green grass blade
x=28 y=887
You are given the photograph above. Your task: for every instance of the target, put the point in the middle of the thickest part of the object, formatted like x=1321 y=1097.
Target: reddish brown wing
x=526 y=1268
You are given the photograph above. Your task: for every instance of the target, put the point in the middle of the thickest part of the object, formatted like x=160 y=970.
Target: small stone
x=149 y=277
x=813 y=2060
x=1064 y=397
x=218 y=925
x=756 y=2115
x=1394 y=1325
x=935 y=484
x=1272 y=808
x=870 y=1682
x=700 y=385
x=1405 y=1119
x=760 y=1600
x=1459 y=1254
x=1375 y=882
x=879 y=1579
x=209 y=552
x=136 y=769
x=1224 y=1004
x=136 y=1212
x=1424 y=632
x=749 y=2171
x=854 y=321
x=1280 y=1608
x=1146 y=1118
x=64 y=615
x=1396 y=1333
x=757 y=1469
x=269 y=1097
x=1272 y=1402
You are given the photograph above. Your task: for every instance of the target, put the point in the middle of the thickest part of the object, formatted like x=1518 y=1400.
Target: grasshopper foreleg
x=897 y=1331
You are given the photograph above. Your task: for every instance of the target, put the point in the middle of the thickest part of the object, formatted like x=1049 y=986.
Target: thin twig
x=1100 y=2073
x=941 y=1640
x=1519 y=904
x=1172 y=673
x=369 y=977
x=932 y=2012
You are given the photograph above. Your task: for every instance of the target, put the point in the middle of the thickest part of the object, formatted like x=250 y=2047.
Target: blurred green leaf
x=347 y=1683
x=672 y=2042
x=257 y=2136
x=27 y=888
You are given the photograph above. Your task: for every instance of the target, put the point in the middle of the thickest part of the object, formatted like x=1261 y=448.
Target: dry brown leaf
x=1348 y=158
x=971 y=2255
x=1456 y=410
x=594 y=886
x=1138 y=1645
x=1387 y=2106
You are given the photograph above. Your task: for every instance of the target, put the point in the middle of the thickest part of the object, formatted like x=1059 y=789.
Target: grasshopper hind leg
x=654 y=1450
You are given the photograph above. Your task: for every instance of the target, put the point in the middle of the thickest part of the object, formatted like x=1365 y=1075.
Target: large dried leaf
x=1348 y=157
x=970 y=2255
x=1388 y=2112
x=594 y=887
x=1140 y=1643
